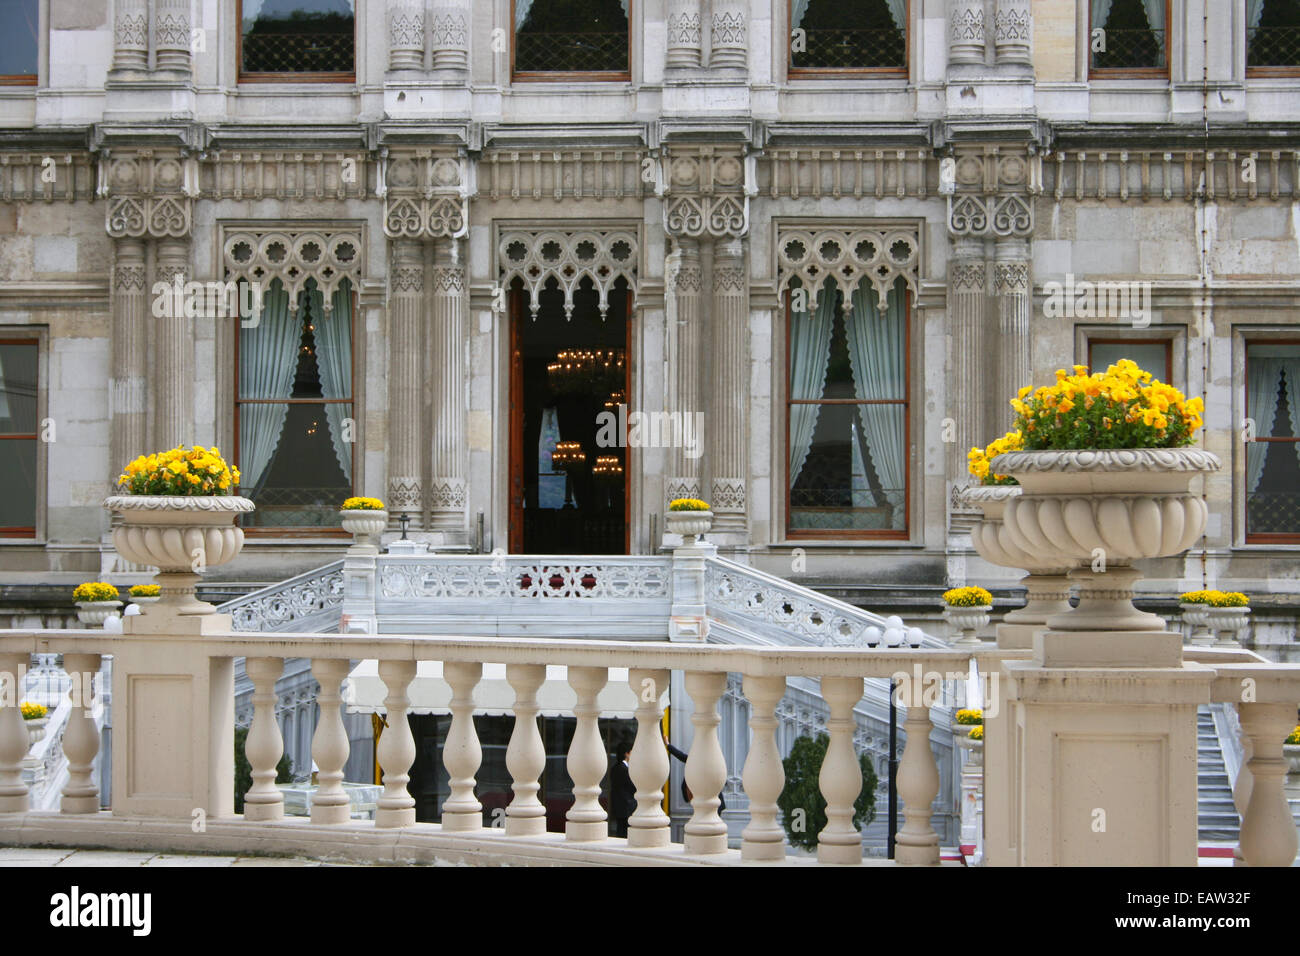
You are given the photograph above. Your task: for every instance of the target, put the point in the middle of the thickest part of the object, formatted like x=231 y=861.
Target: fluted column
x=406 y=35
x=405 y=382
x=728 y=34
x=965 y=32
x=1012 y=289
x=764 y=777
x=128 y=430
x=131 y=35
x=451 y=36
x=840 y=779
x=684 y=33
x=526 y=754
x=706 y=770
x=81 y=738
x=329 y=745
x=687 y=281
x=396 y=750
x=13 y=735
x=729 y=380
x=264 y=746
x=172 y=35
x=918 y=784
x=648 y=763
x=447 y=493
x=586 y=819
x=173 y=369
x=967 y=297
x=462 y=754
x=1268 y=833
x=1013 y=30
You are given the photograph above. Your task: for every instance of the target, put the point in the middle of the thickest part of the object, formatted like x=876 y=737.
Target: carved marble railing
x=744 y=600
x=311 y=601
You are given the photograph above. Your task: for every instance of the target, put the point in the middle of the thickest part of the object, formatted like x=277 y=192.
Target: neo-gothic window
x=1129 y=37
x=1272 y=36
x=18 y=438
x=1273 y=458
x=294 y=409
x=293 y=40
x=847 y=415
x=834 y=35
x=556 y=37
x=19 y=43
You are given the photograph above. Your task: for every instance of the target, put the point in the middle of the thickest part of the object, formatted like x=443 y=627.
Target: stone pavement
x=45 y=856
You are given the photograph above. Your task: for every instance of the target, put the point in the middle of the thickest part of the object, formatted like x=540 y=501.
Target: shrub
x=244 y=770
x=802 y=792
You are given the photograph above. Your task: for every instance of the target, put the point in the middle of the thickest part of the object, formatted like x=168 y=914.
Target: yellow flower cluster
x=1216 y=598
x=967 y=597
x=180 y=471
x=977 y=732
x=1293 y=737
x=979 y=458
x=32 y=711
x=145 y=590
x=94 y=591
x=363 y=504
x=688 y=504
x=1124 y=407
x=970 y=715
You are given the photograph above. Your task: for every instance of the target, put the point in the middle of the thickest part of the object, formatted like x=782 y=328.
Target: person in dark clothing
x=622 y=793
x=686 y=791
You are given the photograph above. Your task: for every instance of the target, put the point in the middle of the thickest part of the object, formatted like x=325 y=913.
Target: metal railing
x=1273 y=46
x=571 y=52
x=851 y=49
x=298 y=52
x=1131 y=50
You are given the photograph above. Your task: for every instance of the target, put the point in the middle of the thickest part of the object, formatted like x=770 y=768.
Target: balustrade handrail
x=239 y=608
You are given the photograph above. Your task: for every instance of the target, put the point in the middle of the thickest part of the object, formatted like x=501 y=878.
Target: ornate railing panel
x=309 y=601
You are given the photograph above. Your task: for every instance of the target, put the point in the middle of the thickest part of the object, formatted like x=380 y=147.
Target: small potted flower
x=96 y=601
x=365 y=519
x=35 y=717
x=976 y=734
x=967 y=610
x=689 y=517
x=1228 y=613
x=1291 y=750
x=968 y=728
x=1195 y=606
x=145 y=593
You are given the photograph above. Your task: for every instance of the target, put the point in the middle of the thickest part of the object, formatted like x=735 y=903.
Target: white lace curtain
x=334 y=361
x=877 y=345
x=523 y=6
x=1254 y=11
x=897 y=10
x=268 y=359
x=1264 y=377
x=810 y=354
x=1155 y=16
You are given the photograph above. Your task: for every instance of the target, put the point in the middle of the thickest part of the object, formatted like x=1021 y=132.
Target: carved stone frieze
x=849 y=256
x=293 y=257
x=569 y=256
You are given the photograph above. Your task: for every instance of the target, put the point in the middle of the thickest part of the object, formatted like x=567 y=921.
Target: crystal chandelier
x=586 y=370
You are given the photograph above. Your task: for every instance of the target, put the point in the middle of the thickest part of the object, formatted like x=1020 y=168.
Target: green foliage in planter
x=244 y=770
x=801 y=792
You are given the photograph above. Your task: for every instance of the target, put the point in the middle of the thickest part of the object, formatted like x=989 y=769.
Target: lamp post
x=893 y=635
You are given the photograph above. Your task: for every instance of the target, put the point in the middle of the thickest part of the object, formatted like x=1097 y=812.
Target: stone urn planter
x=1292 y=754
x=95 y=613
x=691 y=525
x=36 y=730
x=365 y=525
x=967 y=621
x=1102 y=510
x=1196 y=616
x=182 y=537
x=1227 y=624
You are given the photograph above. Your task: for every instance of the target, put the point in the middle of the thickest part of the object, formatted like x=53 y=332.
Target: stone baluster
x=967 y=295
x=131 y=35
x=966 y=32
x=918 y=784
x=840 y=779
x=451 y=35
x=462 y=754
x=586 y=761
x=1242 y=786
x=450 y=447
x=81 y=738
x=129 y=423
x=729 y=34
x=329 y=745
x=706 y=770
x=729 y=398
x=172 y=37
x=396 y=751
x=687 y=282
x=648 y=763
x=684 y=19
x=406 y=382
x=1011 y=286
x=264 y=746
x=1268 y=832
x=13 y=734
x=526 y=754
x=1013 y=28
x=173 y=368
x=406 y=35
x=764 y=777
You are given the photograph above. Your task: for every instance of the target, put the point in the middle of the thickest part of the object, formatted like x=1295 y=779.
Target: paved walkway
x=45 y=856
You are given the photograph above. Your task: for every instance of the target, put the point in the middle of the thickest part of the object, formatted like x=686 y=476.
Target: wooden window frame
x=1264 y=72
x=290 y=77
x=1267 y=537
x=1147 y=72
x=27 y=532
x=290 y=531
x=853 y=534
x=571 y=76
x=1168 y=343
x=33 y=78
x=793 y=72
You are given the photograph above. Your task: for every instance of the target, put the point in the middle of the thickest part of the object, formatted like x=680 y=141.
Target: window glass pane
x=298 y=36
x=854 y=475
x=571 y=36
x=17 y=483
x=295 y=462
x=1273 y=32
x=856 y=35
x=1133 y=34
x=1273 y=467
x=1150 y=356
x=18 y=388
x=18 y=41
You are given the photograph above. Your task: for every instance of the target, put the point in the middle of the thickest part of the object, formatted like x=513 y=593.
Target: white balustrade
x=13 y=735
x=264 y=746
x=916 y=843
x=764 y=777
x=329 y=745
x=462 y=754
x=526 y=754
x=841 y=775
x=1268 y=832
x=396 y=750
x=706 y=770
x=81 y=739
x=648 y=764
x=585 y=820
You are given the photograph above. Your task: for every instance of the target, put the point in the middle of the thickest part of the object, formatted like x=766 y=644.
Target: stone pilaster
x=967 y=298
x=131 y=35
x=1012 y=289
x=1013 y=29
x=451 y=36
x=173 y=369
x=684 y=32
x=406 y=35
x=687 y=281
x=127 y=410
x=448 y=495
x=405 y=368
x=965 y=32
x=172 y=35
x=726 y=425
x=729 y=35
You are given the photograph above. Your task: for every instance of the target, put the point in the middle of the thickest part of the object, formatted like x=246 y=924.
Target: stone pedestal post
x=173 y=368
x=687 y=280
x=406 y=382
x=450 y=459
x=729 y=383
x=688 y=619
x=1012 y=288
